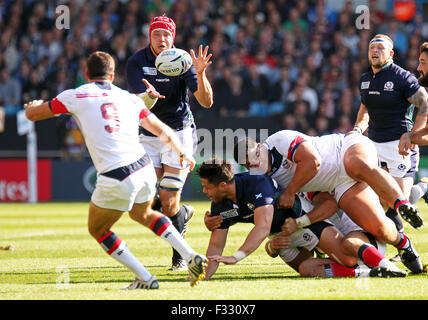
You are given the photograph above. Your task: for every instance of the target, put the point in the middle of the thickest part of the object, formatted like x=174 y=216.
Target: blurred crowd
x=297 y=62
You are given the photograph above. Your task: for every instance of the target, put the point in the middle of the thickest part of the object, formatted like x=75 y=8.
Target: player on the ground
x=173 y=110
x=251 y=199
x=389 y=96
x=294 y=245
x=345 y=166
x=419 y=137
x=108 y=118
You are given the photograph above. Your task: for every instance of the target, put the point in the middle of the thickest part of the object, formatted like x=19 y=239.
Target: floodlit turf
x=55 y=258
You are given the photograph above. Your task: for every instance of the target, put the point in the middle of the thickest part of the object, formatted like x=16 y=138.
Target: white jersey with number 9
x=108 y=118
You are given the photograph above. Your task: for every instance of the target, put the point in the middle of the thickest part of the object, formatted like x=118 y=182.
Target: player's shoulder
x=254 y=183
x=247 y=178
x=400 y=71
x=283 y=137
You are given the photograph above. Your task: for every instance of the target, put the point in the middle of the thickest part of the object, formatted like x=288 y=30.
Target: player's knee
x=171 y=182
x=358 y=168
x=96 y=232
x=382 y=233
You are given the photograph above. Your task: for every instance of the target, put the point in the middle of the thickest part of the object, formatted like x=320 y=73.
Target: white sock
x=163 y=228
x=118 y=250
x=417 y=191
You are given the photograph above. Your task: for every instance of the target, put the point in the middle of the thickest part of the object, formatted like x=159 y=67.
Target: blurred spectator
x=10 y=92
x=256 y=85
x=322 y=126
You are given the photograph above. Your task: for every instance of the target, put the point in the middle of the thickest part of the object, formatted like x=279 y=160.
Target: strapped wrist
x=303 y=221
x=239 y=255
x=358 y=129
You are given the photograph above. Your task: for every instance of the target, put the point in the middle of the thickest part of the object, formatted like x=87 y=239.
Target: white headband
x=384 y=41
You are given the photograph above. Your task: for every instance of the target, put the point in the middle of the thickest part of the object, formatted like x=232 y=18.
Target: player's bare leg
x=100 y=221
x=361 y=166
x=362 y=205
x=161 y=225
x=331 y=244
x=170 y=188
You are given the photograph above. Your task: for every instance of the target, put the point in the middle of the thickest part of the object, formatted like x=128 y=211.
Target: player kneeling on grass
x=251 y=199
x=109 y=118
x=295 y=245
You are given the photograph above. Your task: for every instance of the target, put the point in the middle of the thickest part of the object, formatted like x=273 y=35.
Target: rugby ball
x=173 y=62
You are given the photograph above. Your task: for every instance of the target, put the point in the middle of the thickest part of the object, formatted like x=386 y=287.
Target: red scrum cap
x=162 y=22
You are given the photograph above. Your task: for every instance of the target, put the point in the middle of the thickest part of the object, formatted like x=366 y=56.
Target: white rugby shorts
x=397 y=165
x=161 y=154
x=138 y=187
x=345 y=182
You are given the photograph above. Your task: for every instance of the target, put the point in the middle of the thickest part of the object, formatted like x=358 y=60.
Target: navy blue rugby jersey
x=174 y=110
x=253 y=191
x=385 y=96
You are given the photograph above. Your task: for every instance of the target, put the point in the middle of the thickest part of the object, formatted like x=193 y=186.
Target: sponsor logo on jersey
x=229 y=213
x=307 y=237
x=389 y=86
x=162 y=80
x=150 y=71
x=258 y=196
x=374 y=92
x=401 y=167
x=286 y=164
x=251 y=206
x=365 y=85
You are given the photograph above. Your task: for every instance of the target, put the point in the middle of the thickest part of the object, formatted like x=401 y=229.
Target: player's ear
x=112 y=77
x=391 y=54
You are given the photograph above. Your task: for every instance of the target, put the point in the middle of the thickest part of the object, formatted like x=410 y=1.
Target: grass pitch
x=55 y=259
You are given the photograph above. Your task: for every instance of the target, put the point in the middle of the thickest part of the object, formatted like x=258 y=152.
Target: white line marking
x=28 y=235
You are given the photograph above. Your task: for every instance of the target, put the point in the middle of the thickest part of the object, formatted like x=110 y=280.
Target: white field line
x=29 y=235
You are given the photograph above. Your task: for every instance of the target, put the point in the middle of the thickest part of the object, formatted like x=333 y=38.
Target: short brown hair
x=216 y=170
x=424 y=47
x=100 y=65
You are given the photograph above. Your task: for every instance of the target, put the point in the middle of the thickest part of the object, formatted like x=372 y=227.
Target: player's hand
x=286 y=200
x=212 y=222
x=202 y=61
x=405 y=144
x=280 y=241
x=224 y=259
x=151 y=91
x=33 y=103
x=289 y=226
x=189 y=159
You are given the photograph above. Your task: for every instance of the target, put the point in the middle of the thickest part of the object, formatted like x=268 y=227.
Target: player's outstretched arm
x=324 y=207
x=38 y=110
x=150 y=96
x=167 y=137
x=215 y=248
x=262 y=223
x=204 y=93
